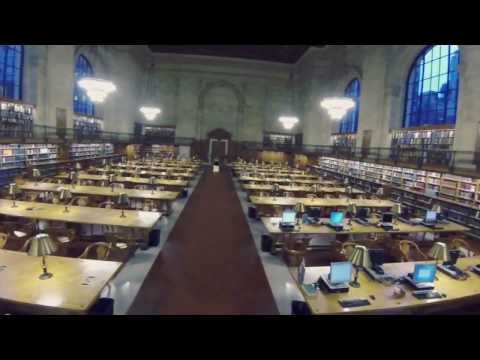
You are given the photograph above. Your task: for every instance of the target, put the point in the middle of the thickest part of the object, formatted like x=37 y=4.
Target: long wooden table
x=285 y=180
x=184 y=175
x=131 y=180
x=319 y=202
x=156 y=167
x=144 y=220
x=457 y=292
x=300 y=189
x=167 y=196
x=75 y=286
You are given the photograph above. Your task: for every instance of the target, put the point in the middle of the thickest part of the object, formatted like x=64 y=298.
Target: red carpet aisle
x=209 y=264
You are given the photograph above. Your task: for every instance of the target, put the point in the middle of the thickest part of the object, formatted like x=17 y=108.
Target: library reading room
x=239 y=180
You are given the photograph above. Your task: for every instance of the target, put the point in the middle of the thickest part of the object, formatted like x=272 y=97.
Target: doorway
x=218 y=145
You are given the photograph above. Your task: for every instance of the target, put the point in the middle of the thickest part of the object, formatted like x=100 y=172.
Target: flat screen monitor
x=424 y=273
x=387 y=217
x=363 y=213
x=377 y=256
x=288 y=217
x=314 y=212
x=340 y=272
x=407 y=213
x=336 y=218
x=431 y=216
x=454 y=255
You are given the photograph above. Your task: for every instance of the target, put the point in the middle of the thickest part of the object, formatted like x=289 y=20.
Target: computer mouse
x=372 y=297
x=443 y=295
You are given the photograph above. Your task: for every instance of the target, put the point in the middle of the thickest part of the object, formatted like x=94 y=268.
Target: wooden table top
x=268 y=170
x=156 y=167
x=319 y=202
x=133 y=180
x=100 y=191
x=284 y=175
x=272 y=226
x=323 y=189
x=187 y=175
x=80 y=214
x=75 y=286
x=456 y=291
x=285 y=180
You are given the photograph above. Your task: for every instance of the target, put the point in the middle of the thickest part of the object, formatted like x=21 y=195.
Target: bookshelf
x=84 y=126
x=14 y=158
x=16 y=119
x=415 y=188
x=87 y=151
x=344 y=140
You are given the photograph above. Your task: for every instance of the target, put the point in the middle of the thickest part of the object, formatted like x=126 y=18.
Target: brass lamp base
x=45 y=276
x=354 y=284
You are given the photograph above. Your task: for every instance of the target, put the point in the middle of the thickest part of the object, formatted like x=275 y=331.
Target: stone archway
x=221 y=97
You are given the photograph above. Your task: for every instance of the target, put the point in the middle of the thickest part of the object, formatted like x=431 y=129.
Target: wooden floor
x=209 y=264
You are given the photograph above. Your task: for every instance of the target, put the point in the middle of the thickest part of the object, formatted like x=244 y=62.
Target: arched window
x=432 y=89
x=11 y=67
x=349 y=123
x=81 y=103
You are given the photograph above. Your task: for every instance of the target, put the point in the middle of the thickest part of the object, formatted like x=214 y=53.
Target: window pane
x=81 y=103
x=11 y=71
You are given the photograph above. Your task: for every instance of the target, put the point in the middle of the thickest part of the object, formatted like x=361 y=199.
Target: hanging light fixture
x=337 y=107
x=288 y=119
x=97 y=89
x=150 y=112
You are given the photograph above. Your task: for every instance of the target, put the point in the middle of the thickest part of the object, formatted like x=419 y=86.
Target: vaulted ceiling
x=287 y=54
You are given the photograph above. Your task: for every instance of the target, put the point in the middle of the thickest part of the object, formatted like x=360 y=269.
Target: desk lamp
x=152 y=183
x=351 y=211
x=65 y=195
x=73 y=178
x=276 y=187
x=104 y=162
x=123 y=201
x=379 y=192
x=111 y=179
x=345 y=181
x=348 y=190
x=42 y=245
x=397 y=210
x=36 y=175
x=300 y=210
x=137 y=171
x=314 y=188
x=78 y=167
x=12 y=189
x=439 y=252
x=359 y=259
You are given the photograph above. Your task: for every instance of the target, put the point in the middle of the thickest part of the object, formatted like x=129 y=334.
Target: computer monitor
x=363 y=213
x=340 y=272
x=424 y=273
x=407 y=213
x=314 y=212
x=336 y=218
x=377 y=256
x=387 y=217
x=289 y=217
x=454 y=255
x=431 y=216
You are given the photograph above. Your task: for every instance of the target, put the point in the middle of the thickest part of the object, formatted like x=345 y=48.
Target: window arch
x=81 y=103
x=349 y=123
x=11 y=69
x=432 y=89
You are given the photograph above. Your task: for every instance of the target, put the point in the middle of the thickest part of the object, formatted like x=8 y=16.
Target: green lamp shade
x=300 y=208
x=360 y=257
x=439 y=252
x=42 y=245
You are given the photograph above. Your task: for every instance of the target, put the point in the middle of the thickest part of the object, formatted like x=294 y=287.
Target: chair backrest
x=311 y=196
x=102 y=250
x=118 y=185
x=80 y=201
x=3 y=240
x=347 y=248
x=106 y=204
x=160 y=188
x=31 y=196
x=141 y=187
x=408 y=249
x=462 y=244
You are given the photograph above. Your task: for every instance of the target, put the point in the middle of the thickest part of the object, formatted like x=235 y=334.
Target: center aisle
x=209 y=264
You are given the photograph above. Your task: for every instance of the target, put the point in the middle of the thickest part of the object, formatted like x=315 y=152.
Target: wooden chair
x=118 y=185
x=160 y=188
x=102 y=251
x=3 y=239
x=294 y=250
x=461 y=244
x=30 y=196
x=311 y=196
x=79 y=201
x=409 y=251
x=141 y=187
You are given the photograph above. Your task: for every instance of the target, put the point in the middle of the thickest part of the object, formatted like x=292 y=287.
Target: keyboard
x=354 y=302
x=427 y=294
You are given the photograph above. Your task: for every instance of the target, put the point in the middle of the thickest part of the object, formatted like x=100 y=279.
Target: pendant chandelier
x=289 y=119
x=150 y=111
x=97 y=89
x=337 y=107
